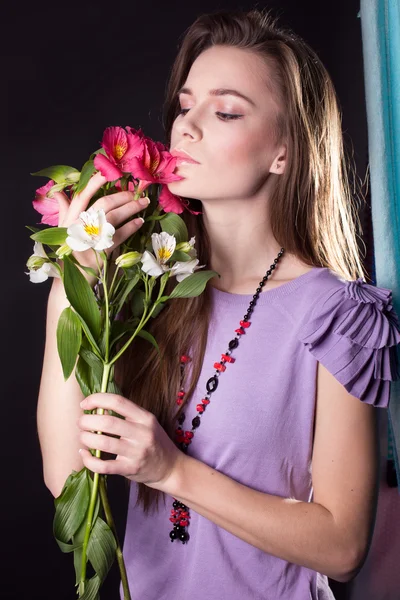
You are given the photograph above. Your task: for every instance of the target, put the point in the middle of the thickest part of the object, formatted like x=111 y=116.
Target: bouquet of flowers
x=91 y=332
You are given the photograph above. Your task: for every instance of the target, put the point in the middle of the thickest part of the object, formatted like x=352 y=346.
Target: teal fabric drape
x=380 y=26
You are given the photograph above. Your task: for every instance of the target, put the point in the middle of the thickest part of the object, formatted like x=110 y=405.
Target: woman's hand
x=145 y=453
x=118 y=208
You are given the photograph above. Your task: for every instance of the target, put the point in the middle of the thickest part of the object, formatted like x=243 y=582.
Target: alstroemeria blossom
x=120 y=147
x=48 y=207
x=40 y=266
x=155 y=165
x=94 y=231
x=164 y=246
x=171 y=203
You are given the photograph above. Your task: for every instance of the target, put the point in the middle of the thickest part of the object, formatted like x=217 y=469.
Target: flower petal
x=107 y=168
x=150 y=265
x=169 y=202
x=164 y=246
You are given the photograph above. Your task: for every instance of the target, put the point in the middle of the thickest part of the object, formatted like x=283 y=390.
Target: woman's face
x=236 y=155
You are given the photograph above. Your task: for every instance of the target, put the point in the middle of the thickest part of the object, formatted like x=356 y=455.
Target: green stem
x=93 y=498
x=111 y=524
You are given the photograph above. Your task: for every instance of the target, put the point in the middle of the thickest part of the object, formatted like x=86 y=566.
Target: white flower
x=164 y=246
x=184 y=269
x=93 y=232
x=40 y=266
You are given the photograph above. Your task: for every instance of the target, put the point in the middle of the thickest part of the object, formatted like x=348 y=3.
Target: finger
x=124 y=211
x=124 y=232
x=107 y=424
x=104 y=443
x=63 y=206
x=119 y=404
x=81 y=200
x=104 y=467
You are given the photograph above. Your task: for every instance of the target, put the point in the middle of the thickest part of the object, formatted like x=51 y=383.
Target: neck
x=242 y=245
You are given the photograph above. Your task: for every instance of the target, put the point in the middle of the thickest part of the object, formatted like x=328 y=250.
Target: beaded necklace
x=180 y=515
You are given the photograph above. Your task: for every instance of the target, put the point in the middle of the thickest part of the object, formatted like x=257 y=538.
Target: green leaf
x=82 y=298
x=174 y=225
x=86 y=173
x=101 y=548
x=69 y=339
x=193 y=285
x=91 y=588
x=71 y=506
x=158 y=309
x=52 y=235
x=137 y=304
x=147 y=336
x=86 y=269
x=126 y=290
x=34 y=229
x=179 y=256
x=87 y=377
x=59 y=173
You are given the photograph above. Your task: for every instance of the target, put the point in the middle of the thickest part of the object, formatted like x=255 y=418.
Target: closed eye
x=222 y=116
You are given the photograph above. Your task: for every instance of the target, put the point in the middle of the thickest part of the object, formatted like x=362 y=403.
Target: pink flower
x=48 y=207
x=171 y=203
x=120 y=147
x=155 y=165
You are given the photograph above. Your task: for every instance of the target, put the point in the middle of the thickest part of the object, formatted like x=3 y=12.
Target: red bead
x=185 y=514
x=179 y=401
x=245 y=324
x=219 y=367
x=184 y=522
x=200 y=408
x=185 y=359
x=189 y=434
x=227 y=358
x=173 y=520
x=205 y=401
x=173 y=512
x=179 y=431
x=240 y=331
x=181 y=394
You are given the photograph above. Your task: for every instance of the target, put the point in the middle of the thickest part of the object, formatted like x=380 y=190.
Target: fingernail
x=80 y=450
x=82 y=403
x=144 y=201
x=138 y=221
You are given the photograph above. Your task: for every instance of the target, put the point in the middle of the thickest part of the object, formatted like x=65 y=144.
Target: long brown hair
x=313 y=213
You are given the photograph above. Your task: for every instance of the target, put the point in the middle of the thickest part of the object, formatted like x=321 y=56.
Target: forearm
x=58 y=405
x=298 y=532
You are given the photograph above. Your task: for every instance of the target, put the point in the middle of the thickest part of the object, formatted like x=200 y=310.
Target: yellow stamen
x=91 y=229
x=164 y=254
x=119 y=151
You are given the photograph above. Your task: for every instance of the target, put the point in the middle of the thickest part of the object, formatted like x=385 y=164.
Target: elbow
x=350 y=564
x=53 y=484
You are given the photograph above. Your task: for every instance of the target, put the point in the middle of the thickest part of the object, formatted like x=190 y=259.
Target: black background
x=68 y=71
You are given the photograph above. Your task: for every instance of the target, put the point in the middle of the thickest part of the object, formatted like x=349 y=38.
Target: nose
x=186 y=125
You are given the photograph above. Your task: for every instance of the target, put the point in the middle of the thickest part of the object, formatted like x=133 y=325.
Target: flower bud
x=184 y=247
x=128 y=259
x=36 y=262
x=63 y=250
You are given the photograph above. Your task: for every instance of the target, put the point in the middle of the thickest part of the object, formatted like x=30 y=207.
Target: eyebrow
x=219 y=92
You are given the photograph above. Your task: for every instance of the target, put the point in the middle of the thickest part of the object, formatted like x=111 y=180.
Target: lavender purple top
x=258 y=430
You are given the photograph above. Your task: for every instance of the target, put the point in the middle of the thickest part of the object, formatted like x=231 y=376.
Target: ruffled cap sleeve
x=354 y=332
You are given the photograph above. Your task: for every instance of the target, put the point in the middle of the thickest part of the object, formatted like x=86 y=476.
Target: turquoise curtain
x=380 y=26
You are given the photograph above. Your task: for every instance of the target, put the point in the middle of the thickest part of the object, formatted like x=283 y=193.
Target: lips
x=183 y=157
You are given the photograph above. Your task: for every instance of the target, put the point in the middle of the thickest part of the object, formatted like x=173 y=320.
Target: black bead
x=273 y=267
x=181 y=419
x=212 y=384
x=184 y=537
x=233 y=344
x=196 y=422
x=173 y=535
x=255 y=296
x=184 y=447
x=175 y=504
x=258 y=290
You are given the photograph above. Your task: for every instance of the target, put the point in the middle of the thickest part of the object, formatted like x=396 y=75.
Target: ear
x=279 y=162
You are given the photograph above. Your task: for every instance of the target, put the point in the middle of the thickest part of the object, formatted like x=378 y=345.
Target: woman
x=272 y=482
